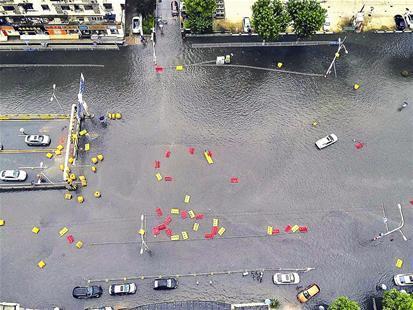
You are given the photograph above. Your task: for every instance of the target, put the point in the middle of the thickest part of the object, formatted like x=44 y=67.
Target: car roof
x=313 y=289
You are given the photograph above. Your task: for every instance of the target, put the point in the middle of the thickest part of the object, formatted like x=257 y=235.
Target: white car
x=286 y=278
x=122 y=289
x=404 y=279
x=408 y=17
x=326 y=141
x=37 y=140
x=246 y=25
x=13 y=175
x=327 y=24
x=137 y=25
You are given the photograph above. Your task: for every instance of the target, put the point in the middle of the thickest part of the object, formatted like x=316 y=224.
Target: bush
x=344 y=303
x=200 y=14
x=269 y=18
x=148 y=24
x=146 y=7
x=275 y=303
x=396 y=300
x=308 y=16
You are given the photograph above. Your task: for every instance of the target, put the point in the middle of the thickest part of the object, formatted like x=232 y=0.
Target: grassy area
x=223 y=25
x=147 y=24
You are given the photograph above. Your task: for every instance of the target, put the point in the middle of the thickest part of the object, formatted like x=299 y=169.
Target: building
x=48 y=20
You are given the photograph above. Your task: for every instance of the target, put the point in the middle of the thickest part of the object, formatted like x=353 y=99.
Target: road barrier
x=31 y=117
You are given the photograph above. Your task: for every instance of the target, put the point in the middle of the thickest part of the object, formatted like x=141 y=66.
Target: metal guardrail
x=33 y=186
x=27 y=151
x=25 y=117
x=265 y=44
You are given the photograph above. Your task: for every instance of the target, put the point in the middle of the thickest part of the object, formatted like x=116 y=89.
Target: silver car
x=122 y=289
x=326 y=141
x=37 y=140
x=404 y=279
x=13 y=175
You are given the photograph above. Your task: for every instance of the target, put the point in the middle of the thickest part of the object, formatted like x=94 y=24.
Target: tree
x=396 y=300
x=344 y=303
x=269 y=18
x=275 y=303
x=200 y=14
x=308 y=16
x=146 y=7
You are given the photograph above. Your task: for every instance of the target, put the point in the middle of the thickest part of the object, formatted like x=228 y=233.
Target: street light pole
x=144 y=246
x=381 y=235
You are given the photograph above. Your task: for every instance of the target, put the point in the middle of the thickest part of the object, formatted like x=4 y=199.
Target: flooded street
x=258 y=126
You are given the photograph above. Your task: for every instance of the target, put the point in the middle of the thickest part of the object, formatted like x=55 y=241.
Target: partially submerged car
x=400 y=22
x=165 y=284
x=404 y=279
x=13 y=175
x=308 y=293
x=122 y=289
x=286 y=278
x=37 y=140
x=326 y=141
x=85 y=292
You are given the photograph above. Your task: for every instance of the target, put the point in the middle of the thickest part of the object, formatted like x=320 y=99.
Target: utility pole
x=399 y=228
x=336 y=56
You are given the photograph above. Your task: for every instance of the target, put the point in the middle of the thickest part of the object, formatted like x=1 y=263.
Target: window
x=88 y=7
x=108 y=6
x=8 y=8
x=45 y=7
x=65 y=7
x=28 y=6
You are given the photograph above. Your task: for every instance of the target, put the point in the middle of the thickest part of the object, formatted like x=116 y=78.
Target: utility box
x=220 y=60
x=9 y=306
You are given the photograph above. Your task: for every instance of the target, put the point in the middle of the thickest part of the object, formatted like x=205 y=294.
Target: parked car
x=404 y=279
x=85 y=292
x=400 y=22
x=100 y=308
x=13 y=175
x=408 y=17
x=137 y=25
x=122 y=289
x=165 y=284
x=246 y=25
x=327 y=24
x=37 y=140
x=308 y=293
x=326 y=141
x=286 y=278
x=174 y=8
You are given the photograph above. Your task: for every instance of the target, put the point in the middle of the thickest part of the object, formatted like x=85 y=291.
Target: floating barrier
x=184 y=214
x=199 y=216
x=275 y=231
x=191 y=214
x=234 y=180
x=94 y=160
x=359 y=145
x=155 y=231
x=269 y=230
x=157 y=164
x=49 y=155
x=158 y=211
x=79 y=244
x=159 y=69
x=184 y=235
x=61 y=167
x=195 y=227
x=356 y=86
x=80 y=199
x=71 y=160
x=168 y=232
x=100 y=157
x=70 y=239
x=158 y=176
x=303 y=229
x=314 y=124
x=214 y=230
x=167 y=153
x=179 y=68
x=41 y=264
x=97 y=194
x=168 y=220
x=168 y=178
x=221 y=231
x=72 y=177
x=191 y=150
x=174 y=211
x=175 y=237
x=399 y=263
x=68 y=196
x=295 y=228
x=35 y=230
x=187 y=198
x=2 y=222
x=63 y=231
x=215 y=222
x=208 y=158
x=60 y=147
x=83 y=132
x=161 y=226
x=209 y=236
x=279 y=65
x=87 y=147
x=141 y=232
x=58 y=152
x=287 y=228
x=93 y=168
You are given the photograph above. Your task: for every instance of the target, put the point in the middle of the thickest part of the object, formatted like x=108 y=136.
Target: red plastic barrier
x=234 y=180
x=159 y=69
x=157 y=164
x=167 y=153
x=209 y=153
x=155 y=231
x=191 y=150
x=168 y=232
x=287 y=228
x=303 y=229
x=411 y=202
x=70 y=239
x=199 y=216
x=161 y=226
x=209 y=236
x=168 y=179
x=275 y=231
x=214 y=230
x=184 y=214
x=359 y=145
x=168 y=220
x=159 y=211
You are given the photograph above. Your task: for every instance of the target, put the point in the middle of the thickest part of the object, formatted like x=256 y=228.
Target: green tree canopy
x=344 y=303
x=396 y=300
x=269 y=18
x=146 y=7
x=200 y=14
x=308 y=16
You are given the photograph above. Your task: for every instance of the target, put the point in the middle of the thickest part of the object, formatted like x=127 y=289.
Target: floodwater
x=258 y=125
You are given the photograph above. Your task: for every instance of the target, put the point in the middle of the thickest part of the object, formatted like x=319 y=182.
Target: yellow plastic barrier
x=79 y=244
x=97 y=194
x=141 y=232
x=58 y=152
x=215 y=222
x=93 y=168
x=84 y=183
x=191 y=214
x=63 y=231
x=175 y=237
x=295 y=228
x=2 y=222
x=94 y=160
x=118 y=116
x=71 y=160
x=208 y=158
x=179 y=68
x=41 y=264
x=68 y=196
x=187 y=198
x=83 y=132
x=100 y=157
x=72 y=176
x=337 y=55
x=87 y=146
x=221 y=231
x=269 y=230
x=185 y=235
x=35 y=230
x=399 y=263
x=279 y=65
x=158 y=176
x=80 y=199
x=174 y=211
x=61 y=167
x=59 y=147
x=356 y=86
x=49 y=155
x=195 y=227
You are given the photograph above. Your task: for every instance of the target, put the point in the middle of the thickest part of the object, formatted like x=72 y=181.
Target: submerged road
x=258 y=126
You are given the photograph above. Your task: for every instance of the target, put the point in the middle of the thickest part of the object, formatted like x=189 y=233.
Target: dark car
x=400 y=22
x=84 y=292
x=165 y=284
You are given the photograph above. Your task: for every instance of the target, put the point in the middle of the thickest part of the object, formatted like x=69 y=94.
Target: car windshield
x=90 y=290
x=306 y=294
x=169 y=283
x=15 y=173
x=279 y=277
